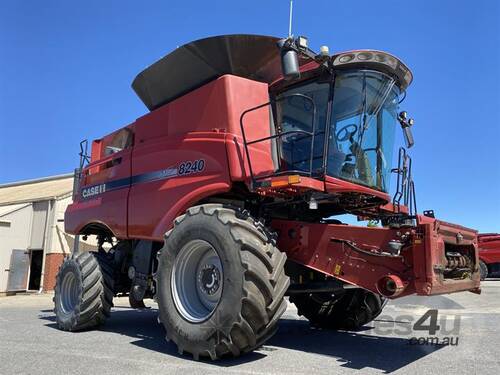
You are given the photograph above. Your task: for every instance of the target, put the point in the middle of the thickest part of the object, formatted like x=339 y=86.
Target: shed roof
x=40 y=189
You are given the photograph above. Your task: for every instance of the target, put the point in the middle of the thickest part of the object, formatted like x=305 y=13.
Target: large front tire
x=83 y=293
x=349 y=311
x=220 y=283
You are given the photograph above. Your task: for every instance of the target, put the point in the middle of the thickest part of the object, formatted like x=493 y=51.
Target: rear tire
x=231 y=304
x=349 y=311
x=483 y=270
x=84 y=292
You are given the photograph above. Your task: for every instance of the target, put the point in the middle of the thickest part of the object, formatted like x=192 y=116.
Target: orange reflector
x=278 y=183
x=293 y=179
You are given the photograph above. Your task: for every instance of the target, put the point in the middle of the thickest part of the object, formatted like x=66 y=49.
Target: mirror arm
x=291 y=49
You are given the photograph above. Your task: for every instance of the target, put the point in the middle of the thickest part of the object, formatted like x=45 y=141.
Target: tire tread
x=264 y=282
x=96 y=298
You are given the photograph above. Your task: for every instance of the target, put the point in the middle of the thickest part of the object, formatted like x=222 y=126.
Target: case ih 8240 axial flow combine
x=219 y=202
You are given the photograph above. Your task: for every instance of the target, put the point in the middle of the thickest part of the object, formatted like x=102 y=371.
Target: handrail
x=279 y=135
x=405 y=186
x=84 y=157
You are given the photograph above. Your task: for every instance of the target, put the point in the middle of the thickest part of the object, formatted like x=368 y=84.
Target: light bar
x=377 y=60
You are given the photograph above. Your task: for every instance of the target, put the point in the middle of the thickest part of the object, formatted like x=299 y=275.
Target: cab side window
x=118 y=141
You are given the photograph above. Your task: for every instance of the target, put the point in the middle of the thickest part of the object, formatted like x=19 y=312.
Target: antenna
x=290 y=21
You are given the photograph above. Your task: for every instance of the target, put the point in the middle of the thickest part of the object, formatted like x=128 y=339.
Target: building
x=33 y=243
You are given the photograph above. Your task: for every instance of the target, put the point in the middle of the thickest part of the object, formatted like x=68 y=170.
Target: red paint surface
x=489 y=247
x=204 y=124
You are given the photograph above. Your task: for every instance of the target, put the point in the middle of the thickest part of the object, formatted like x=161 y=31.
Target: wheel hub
x=197 y=281
x=209 y=279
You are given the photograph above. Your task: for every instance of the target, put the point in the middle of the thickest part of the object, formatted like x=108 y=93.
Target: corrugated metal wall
x=27 y=231
x=14 y=234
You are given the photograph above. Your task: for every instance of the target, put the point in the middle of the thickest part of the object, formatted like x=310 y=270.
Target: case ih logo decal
x=184 y=168
x=93 y=190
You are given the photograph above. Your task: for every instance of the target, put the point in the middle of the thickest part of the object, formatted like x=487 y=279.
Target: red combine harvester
x=221 y=200
x=489 y=253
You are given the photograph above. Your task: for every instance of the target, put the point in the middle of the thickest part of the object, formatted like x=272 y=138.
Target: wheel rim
x=69 y=293
x=197 y=280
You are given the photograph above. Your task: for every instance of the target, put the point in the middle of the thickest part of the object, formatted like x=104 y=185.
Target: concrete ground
x=132 y=342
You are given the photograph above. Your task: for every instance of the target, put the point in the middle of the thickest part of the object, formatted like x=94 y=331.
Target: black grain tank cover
x=194 y=64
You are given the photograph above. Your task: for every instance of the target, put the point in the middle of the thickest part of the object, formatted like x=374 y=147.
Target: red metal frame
x=352 y=254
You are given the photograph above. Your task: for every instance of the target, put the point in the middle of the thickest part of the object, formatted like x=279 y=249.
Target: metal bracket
x=76 y=246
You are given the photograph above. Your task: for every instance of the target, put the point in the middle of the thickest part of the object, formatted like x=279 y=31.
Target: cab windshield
x=357 y=133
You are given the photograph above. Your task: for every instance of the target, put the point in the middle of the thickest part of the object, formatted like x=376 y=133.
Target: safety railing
x=405 y=187
x=280 y=170
x=84 y=160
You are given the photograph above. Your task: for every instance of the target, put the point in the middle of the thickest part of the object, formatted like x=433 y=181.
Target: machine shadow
x=143 y=326
x=354 y=350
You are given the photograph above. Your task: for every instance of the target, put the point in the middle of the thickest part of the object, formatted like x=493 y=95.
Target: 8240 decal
x=184 y=168
x=189 y=167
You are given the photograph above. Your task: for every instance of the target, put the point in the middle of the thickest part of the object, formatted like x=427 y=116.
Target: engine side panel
x=169 y=175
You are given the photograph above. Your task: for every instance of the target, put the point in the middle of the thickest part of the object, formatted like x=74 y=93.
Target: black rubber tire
x=349 y=311
x=254 y=283
x=135 y=304
x=483 y=270
x=94 y=286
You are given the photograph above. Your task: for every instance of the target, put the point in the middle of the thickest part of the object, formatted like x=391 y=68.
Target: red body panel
x=154 y=205
x=336 y=185
x=202 y=125
x=489 y=247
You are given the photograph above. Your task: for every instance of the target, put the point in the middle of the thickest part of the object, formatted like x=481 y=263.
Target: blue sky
x=66 y=69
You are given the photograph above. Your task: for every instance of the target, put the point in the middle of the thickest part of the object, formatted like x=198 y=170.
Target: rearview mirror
x=408 y=137
x=406 y=125
x=289 y=59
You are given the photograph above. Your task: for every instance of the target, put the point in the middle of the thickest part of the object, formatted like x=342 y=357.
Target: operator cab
x=351 y=115
x=339 y=120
